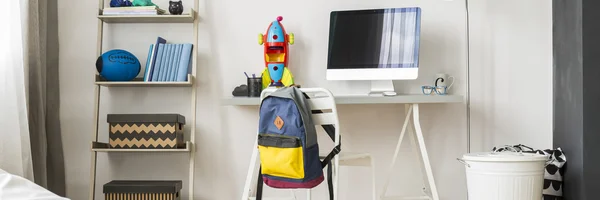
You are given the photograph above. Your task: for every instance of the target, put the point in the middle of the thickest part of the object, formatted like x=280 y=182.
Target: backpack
x=287 y=143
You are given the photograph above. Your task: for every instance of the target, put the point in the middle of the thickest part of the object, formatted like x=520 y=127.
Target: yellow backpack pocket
x=281 y=156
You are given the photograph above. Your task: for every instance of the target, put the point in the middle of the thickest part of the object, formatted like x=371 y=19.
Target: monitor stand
x=382 y=88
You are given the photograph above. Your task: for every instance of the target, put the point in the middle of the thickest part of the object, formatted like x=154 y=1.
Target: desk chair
x=323 y=100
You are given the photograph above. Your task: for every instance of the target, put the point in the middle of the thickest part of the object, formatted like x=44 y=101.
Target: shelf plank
x=103 y=147
x=361 y=99
x=139 y=82
x=188 y=17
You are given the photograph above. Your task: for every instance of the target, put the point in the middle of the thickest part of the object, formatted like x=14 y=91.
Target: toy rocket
x=276 y=42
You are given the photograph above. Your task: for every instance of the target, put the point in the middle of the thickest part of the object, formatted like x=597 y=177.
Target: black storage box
x=142 y=190
x=146 y=131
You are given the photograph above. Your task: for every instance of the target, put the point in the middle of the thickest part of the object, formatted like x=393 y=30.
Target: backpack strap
x=330 y=182
x=330 y=130
x=259 y=185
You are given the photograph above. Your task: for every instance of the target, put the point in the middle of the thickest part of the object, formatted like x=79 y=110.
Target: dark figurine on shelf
x=120 y=3
x=176 y=7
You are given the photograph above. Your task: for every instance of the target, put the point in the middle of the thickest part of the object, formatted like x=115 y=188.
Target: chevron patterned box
x=142 y=190
x=146 y=131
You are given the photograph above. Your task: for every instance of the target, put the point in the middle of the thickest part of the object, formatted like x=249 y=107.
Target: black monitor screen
x=382 y=38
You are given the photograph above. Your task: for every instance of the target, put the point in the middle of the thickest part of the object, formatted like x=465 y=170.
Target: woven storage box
x=146 y=131
x=142 y=190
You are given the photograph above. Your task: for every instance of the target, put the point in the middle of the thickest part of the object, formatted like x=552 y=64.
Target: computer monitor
x=380 y=45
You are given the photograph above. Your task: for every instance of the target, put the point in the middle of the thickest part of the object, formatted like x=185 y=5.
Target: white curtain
x=15 y=148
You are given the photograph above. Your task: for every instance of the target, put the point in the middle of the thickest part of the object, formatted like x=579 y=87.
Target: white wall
x=511 y=73
x=228 y=30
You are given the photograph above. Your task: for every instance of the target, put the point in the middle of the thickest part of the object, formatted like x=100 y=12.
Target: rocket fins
x=288 y=78
x=266 y=79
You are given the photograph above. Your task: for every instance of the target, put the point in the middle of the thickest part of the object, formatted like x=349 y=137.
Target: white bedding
x=14 y=187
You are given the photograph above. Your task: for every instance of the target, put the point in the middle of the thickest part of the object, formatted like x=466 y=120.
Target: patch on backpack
x=278 y=122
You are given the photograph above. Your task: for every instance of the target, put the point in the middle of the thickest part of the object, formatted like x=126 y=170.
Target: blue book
x=148 y=59
x=170 y=64
x=148 y=72
x=165 y=75
x=164 y=66
x=184 y=62
x=158 y=63
x=173 y=74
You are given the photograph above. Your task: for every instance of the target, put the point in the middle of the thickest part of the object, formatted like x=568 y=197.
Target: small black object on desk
x=240 y=91
x=254 y=86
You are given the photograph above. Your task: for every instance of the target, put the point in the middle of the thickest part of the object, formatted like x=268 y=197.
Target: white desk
x=412 y=108
x=400 y=99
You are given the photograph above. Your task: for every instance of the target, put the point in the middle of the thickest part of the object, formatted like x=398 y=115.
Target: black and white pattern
x=553 y=177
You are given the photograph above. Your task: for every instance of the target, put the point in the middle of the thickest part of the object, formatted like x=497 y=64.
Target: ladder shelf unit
x=140 y=83
x=188 y=17
x=98 y=147
x=103 y=147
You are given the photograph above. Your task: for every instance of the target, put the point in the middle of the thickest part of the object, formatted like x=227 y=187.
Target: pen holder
x=254 y=86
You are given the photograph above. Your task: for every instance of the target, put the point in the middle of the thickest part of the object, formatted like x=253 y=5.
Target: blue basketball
x=118 y=65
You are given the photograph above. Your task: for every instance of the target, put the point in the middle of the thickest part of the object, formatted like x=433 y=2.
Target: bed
x=14 y=187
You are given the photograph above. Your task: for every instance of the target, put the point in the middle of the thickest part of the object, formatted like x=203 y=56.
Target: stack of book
x=133 y=10
x=168 y=62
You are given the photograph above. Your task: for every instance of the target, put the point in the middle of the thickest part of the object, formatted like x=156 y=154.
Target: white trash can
x=504 y=175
